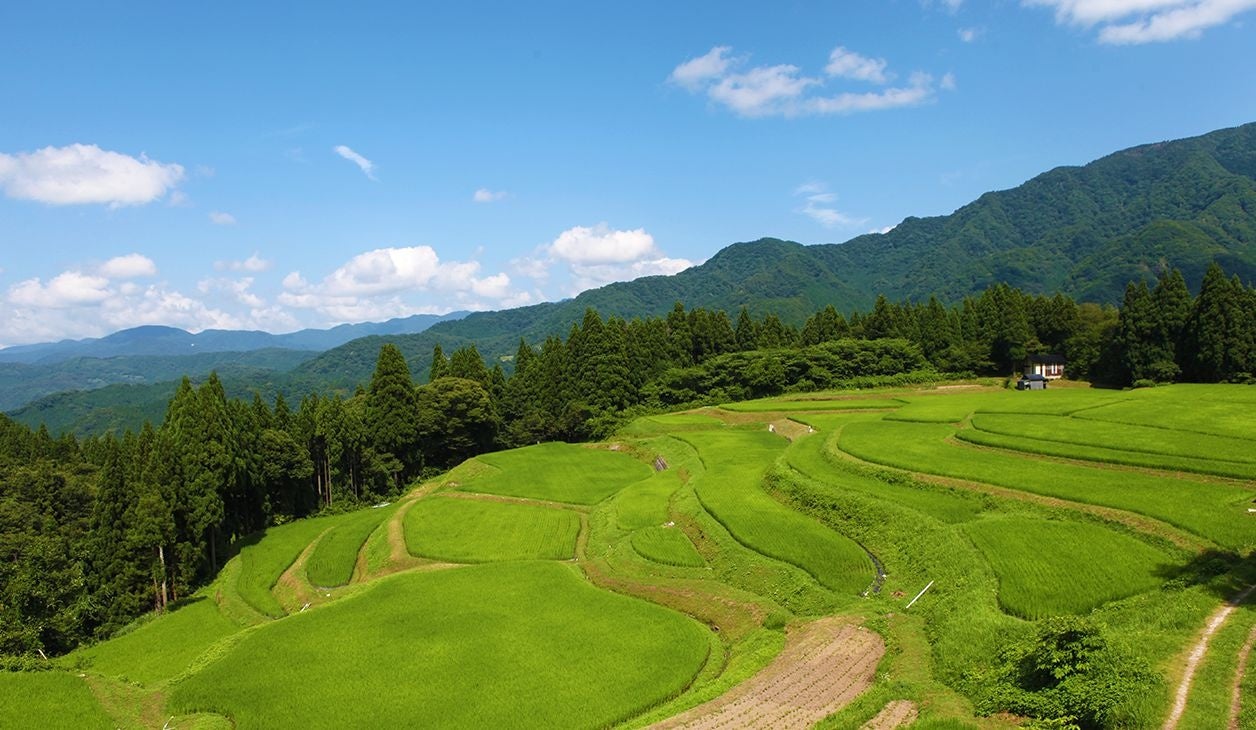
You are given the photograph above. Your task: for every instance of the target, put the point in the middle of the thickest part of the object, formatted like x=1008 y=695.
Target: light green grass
x=266 y=555
x=332 y=562
x=810 y=456
x=816 y=404
x=1049 y=567
x=955 y=407
x=1217 y=409
x=645 y=503
x=49 y=700
x=478 y=531
x=1211 y=510
x=518 y=645
x=559 y=472
x=666 y=545
x=162 y=647
x=1103 y=455
x=731 y=491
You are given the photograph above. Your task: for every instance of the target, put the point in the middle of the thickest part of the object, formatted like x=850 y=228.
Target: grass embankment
x=518 y=645
x=479 y=531
x=1054 y=567
x=262 y=564
x=735 y=462
x=558 y=472
x=1210 y=510
x=1212 y=691
x=334 y=558
x=49 y=700
x=812 y=404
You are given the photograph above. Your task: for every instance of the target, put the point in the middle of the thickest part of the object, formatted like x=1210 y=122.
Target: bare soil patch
x=825 y=665
x=895 y=714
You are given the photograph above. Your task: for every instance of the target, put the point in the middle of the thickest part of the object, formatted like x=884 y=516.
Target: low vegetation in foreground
x=625 y=582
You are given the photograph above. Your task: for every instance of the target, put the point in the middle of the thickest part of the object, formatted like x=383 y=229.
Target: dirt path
x=824 y=666
x=1215 y=622
x=895 y=714
x=292 y=590
x=1236 y=699
x=398 y=554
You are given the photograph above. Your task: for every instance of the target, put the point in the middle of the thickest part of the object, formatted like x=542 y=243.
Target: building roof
x=1034 y=376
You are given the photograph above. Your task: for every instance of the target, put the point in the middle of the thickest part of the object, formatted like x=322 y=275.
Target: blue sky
x=305 y=164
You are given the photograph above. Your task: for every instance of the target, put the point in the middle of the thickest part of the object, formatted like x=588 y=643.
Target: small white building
x=1050 y=367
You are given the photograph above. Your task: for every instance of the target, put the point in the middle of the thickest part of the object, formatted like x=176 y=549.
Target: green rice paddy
x=332 y=562
x=559 y=472
x=479 y=531
x=666 y=545
x=49 y=700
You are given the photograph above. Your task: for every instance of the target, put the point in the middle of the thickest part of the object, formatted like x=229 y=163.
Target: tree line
x=98 y=531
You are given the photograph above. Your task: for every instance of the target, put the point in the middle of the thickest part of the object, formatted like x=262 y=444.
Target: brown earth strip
x=824 y=666
x=895 y=714
x=293 y=590
x=1236 y=701
x=1196 y=655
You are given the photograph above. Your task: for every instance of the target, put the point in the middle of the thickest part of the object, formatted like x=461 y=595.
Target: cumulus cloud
x=219 y=218
x=586 y=276
x=784 y=90
x=970 y=35
x=818 y=205
x=602 y=245
x=131 y=266
x=84 y=174
x=383 y=281
x=253 y=264
x=366 y=166
x=1129 y=22
x=484 y=195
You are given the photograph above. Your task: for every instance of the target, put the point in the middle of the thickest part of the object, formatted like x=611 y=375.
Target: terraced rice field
x=559 y=472
x=479 y=531
x=49 y=700
x=333 y=560
x=516 y=645
x=1052 y=567
x=666 y=545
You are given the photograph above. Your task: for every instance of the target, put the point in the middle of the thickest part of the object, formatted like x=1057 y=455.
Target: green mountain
x=1084 y=231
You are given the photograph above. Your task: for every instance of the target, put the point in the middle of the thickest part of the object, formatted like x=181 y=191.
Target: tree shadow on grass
x=1224 y=573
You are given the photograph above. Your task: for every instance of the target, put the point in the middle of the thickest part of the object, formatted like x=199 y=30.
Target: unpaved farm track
x=1236 y=701
x=1198 y=651
x=824 y=666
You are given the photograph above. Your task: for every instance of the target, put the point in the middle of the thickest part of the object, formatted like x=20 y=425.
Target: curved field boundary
x=825 y=665
x=895 y=714
x=1196 y=655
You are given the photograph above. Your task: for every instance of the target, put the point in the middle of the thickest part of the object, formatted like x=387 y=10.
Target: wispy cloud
x=1131 y=22
x=970 y=35
x=784 y=90
x=484 y=195
x=253 y=264
x=366 y=166
x=220 y=218
x=818 y=205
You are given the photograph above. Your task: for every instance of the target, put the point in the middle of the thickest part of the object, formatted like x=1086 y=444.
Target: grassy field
x=260 y=567
x=518 y=645
x=559 y=472
x=731 y=490
x=479 y=531
x=49 y=700
x=1049 y=567
x=332 y=562
x=160 y=649
x=666 y=545
x=812 y=404
x=1221 y=410
x=1211 y=510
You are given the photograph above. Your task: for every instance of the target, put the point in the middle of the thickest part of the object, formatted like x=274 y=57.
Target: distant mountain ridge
x=166 y=341
x=1083 y=231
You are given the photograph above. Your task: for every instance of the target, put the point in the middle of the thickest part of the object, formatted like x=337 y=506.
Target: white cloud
x=131 y=266
x=1128 y=22
x=219 y=218
x=81 y=174
x=602 y=245
x=253 y=264
x=68 y=289
x=366 y=166
x=592 y=276
x=696 y=72
x=817 y=204
x=970 y=35
x=948 y=82
x=484 y=195
x=850 y=65
x=178 y=199
x=783 y=89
